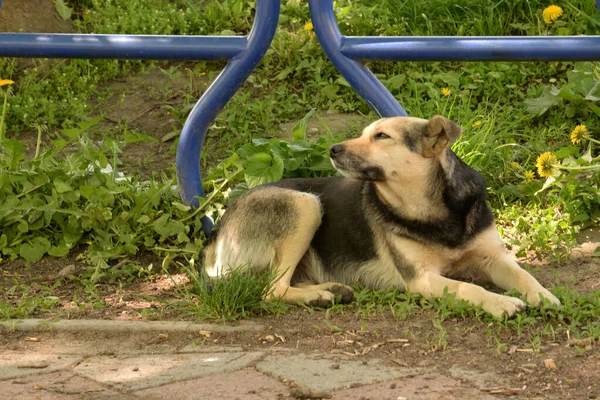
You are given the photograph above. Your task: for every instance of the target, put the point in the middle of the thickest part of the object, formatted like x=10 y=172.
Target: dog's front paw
x=318 y=298
x=345 y=293
x=500 y=305
x=535 y=297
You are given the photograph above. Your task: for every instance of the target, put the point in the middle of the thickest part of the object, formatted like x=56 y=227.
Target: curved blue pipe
x=362 y=80
x=214 y=99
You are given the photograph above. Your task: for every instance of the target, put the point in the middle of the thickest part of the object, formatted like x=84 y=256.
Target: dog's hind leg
x=290 y=250
x=431 y=284
x=345 y=292
x=270 y=227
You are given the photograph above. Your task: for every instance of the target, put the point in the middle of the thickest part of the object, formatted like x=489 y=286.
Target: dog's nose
x=336 y=149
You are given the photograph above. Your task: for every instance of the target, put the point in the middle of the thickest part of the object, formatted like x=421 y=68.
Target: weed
x=239 y=294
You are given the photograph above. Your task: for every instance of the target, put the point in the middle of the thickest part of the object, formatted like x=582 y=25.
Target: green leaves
x=581 y=92
x=263 y=168
x=271 y=160
x=62 y=9
x=49 y=206
x=35 y=249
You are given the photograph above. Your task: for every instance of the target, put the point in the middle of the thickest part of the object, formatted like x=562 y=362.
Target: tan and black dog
x=406 y=213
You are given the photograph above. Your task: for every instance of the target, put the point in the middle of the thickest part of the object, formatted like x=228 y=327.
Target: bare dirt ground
x=513 y=366
x=517 y=369
x=32 y=16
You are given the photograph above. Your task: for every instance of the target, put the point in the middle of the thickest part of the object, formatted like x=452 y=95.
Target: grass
x=239 y=295
x=62 y=199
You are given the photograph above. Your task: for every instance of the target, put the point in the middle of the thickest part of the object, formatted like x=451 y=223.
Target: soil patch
x=32 y=16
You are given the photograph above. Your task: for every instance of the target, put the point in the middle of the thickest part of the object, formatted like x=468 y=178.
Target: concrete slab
x=245 y=384
x=102 y=344
x=16 y=364
x=327 y=373
x=124 y=326
x=200 y=348
x=146 y=371
x=422 y=387
x=54 y=386
x=477 y=378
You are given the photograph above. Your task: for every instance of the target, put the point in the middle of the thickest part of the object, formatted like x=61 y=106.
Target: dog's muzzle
x=336 y=150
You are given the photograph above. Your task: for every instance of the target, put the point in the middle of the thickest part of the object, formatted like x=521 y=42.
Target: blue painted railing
x=347 y=52
x=244 y=53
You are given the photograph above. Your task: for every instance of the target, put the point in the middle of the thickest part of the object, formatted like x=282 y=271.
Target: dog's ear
x=440 y=133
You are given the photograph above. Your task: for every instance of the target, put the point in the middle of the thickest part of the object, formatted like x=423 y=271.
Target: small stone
x=549 y=363
x=270 y=338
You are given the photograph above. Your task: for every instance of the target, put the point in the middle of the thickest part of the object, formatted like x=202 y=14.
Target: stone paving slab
x=16 y=364
x=124 y=326
x=327 y=373
x=146 y=371
x=53 y=386
x=245 y=384
x=421 y=387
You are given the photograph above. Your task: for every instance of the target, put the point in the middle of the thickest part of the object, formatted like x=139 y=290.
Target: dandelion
x=529 y=176
x=579 y=134
x=515 y=165
x=547 y=164
x=551 y=13
x=4 y=82
x=476 y=124
x=446 y=92
x=308 y=27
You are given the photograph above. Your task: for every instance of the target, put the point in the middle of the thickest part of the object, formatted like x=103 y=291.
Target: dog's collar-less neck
x=450 y=231
x=399 y=209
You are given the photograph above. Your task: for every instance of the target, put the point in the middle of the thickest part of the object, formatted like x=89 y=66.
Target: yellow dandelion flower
x=308 y=26
x=446 y=92
x=529 y=176
x=546 y=164
x=579 y=133
x=4 y=82
x=515 y=165
x=551 y=13
x=476 y=124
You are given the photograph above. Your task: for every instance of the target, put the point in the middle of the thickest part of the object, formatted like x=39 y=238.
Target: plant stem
x=585 y=168
x=2 y=120
x=39 y=141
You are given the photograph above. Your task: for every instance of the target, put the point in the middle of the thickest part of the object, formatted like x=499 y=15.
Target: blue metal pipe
x=362 y=80
x=214 y=99
x=429 y=48
x=149 y=47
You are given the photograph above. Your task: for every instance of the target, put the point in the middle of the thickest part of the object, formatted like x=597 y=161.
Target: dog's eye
x=380 y=136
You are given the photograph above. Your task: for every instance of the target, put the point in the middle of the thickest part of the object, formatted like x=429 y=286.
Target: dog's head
x=397 y=148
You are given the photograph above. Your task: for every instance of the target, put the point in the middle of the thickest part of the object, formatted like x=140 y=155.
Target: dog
x=405 y=213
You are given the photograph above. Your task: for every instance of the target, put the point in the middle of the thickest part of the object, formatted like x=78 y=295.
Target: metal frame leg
x=214 y=99
x=346 y=52
x=360 y=78
x=244 y=53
